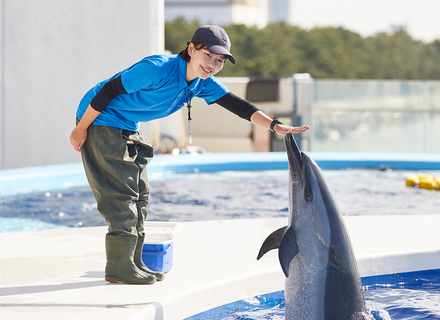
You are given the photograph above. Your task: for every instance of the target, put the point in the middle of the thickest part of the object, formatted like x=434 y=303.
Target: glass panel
x=434 y=95
x=367 y=131
x=375 y=116
x=432 y=132
x=368 y=94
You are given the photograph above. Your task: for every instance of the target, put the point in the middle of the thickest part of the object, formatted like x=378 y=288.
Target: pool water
x=413 y=295
x=222 y=195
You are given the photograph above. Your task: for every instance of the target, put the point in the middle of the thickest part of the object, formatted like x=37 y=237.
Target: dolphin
x=315 y=253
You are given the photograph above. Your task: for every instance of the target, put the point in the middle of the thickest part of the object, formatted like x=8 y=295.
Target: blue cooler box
x=158 y=256
x=157 y=252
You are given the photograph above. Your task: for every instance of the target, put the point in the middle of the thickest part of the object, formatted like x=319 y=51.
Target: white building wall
x=281 y=11
x=219 y=12
x=51 y=53
x=2 y=87
x=218 y=15
x=251 y=15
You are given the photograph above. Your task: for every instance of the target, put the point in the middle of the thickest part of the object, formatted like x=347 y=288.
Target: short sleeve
x=213 y=90
x=143 y=75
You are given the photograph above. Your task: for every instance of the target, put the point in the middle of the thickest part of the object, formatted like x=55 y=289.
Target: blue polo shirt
x=155 y=89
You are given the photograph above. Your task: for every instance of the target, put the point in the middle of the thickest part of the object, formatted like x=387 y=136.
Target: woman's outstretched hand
x=282 y=129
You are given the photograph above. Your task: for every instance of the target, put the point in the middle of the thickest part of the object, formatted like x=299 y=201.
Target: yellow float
x=423 y=181
x=412 y=181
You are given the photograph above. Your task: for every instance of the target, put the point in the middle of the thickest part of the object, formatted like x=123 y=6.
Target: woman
x=115 y=153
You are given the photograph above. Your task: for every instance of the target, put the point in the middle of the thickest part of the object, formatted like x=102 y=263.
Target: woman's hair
x=184 y=53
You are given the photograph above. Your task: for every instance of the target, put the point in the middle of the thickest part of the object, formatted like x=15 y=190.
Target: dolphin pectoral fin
x=288 y=249
x=272 y=241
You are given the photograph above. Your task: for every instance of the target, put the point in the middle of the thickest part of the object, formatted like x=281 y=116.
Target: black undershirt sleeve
x=109 y=91
x=242 y=108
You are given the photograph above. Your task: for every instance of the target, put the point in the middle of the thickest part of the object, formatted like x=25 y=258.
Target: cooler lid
x=155 y=229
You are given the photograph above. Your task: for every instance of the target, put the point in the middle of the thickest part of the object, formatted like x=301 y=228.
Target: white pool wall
x=43 y=178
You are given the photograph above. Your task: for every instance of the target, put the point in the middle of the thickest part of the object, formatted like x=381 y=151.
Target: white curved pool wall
x=58 y=274
x=395 y=243
x=43 y=178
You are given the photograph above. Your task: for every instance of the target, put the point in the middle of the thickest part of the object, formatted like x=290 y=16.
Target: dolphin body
x=315 y=252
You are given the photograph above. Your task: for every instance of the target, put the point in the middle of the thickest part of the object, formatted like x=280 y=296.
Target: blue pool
x=221 y=195
x=405 y=296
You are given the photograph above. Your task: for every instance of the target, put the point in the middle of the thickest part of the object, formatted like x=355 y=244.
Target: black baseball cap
x=215 y=39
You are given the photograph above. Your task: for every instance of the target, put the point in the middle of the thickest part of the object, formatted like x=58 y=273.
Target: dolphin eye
x=308 y=197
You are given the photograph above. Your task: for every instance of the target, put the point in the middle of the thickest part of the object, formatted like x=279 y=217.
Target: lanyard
x=188 y=104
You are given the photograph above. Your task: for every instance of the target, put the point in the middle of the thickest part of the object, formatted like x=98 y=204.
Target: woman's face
x=203 y=63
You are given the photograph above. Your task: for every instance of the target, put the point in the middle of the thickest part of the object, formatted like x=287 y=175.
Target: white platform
x=59 y=274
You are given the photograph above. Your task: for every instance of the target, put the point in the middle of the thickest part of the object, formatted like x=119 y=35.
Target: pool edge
x=44 y=178
x=214 y=264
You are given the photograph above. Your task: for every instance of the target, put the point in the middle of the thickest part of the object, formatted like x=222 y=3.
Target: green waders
x=115 y=162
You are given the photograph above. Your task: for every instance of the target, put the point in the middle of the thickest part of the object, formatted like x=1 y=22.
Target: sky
x=368 y=17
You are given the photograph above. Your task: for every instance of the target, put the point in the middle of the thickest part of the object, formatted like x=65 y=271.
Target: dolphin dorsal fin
x=273 y=241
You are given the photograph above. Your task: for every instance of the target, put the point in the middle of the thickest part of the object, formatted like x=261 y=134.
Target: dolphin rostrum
x=322 y=278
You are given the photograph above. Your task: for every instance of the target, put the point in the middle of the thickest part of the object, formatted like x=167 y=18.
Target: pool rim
x=60 y=176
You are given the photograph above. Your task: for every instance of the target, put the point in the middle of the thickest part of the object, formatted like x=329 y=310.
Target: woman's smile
x=203 y=63
x=206 y=70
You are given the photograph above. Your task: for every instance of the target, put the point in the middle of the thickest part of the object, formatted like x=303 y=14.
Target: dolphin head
x=297 y=168
x=305 y=174
x=308 y=190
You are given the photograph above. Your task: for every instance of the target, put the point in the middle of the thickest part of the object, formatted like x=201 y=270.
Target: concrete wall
x=51 y=53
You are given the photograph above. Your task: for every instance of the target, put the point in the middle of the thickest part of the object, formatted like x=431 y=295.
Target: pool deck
x=59 y=274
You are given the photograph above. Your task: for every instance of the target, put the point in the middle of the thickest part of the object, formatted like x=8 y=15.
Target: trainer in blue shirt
x=115 y=153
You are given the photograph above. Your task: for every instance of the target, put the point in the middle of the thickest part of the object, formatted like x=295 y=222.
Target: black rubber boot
x=140 y=264
x=120 y=266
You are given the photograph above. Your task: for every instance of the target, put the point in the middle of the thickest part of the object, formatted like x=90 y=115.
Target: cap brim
x=220 y=50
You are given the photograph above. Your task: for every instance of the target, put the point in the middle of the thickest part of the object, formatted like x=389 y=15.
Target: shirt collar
x=182 y=73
